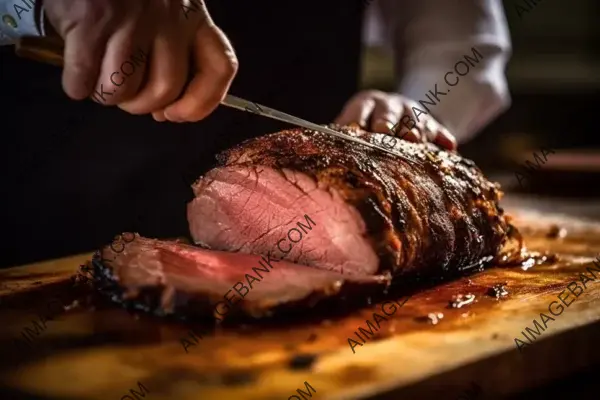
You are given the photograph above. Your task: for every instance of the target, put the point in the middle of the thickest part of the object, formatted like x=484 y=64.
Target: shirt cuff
x=479 y=91
x=19 y=18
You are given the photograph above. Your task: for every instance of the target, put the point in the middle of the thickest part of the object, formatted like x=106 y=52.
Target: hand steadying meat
x=100 y=35
x=382 y=112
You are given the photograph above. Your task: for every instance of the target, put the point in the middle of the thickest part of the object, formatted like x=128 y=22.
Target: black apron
x=77 y=173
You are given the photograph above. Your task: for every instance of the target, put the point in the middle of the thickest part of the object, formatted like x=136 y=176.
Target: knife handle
x=46 y=49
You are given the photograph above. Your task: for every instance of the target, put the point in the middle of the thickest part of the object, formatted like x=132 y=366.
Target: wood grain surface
x=92 y=349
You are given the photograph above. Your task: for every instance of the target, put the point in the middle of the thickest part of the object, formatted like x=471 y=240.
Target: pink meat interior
x=253 y=209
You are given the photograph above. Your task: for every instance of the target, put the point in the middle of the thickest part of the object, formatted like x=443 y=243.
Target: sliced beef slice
x=179 y=273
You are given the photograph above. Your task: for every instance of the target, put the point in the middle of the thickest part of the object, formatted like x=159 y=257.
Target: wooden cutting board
x=106 y=352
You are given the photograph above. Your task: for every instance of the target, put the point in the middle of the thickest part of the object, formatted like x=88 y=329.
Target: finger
x=358 y=109
x=445 y=139
x=430 y=129
x=82 y=64
x=434 y=132
x=410 y=135
x=84 y=45
x=159 y=116
x=386 y=114
x=167 y=74
x=216 y=66
x=124 y=63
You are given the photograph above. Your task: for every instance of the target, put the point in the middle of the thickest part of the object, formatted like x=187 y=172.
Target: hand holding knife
x=50 y=51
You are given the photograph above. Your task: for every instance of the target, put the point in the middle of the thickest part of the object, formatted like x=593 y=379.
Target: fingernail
x=390 y=126
x=403 y=132
x=417 y=134
x=172 y=117
x=445 y=142
x=430 y=136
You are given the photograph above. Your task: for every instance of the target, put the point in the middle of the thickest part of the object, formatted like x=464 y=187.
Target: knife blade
x=49 y=50
x=250 y=106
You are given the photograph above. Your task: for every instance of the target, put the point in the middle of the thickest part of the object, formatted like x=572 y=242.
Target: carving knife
x=50 y=50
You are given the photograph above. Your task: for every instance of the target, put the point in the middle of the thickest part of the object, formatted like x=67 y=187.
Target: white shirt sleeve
x=17 y=18
x=431 y=39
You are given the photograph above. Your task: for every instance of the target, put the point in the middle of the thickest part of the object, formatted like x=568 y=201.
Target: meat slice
x=181 y=274
x=425 y=211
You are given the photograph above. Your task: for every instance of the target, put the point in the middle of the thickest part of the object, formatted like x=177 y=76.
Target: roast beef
x=426 y=210
x=334 y=213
